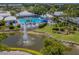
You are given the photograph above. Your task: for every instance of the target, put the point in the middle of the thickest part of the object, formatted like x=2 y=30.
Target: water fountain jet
x=25 y=36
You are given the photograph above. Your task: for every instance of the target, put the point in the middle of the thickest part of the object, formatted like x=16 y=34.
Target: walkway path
x=14 y=53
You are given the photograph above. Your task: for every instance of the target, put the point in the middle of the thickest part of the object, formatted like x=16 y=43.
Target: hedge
x=26 y=50
x=42 y=25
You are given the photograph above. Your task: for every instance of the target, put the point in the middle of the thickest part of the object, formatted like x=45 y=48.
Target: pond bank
x=73 y=45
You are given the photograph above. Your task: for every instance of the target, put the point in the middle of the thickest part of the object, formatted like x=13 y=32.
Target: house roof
x=58 y=13
x=10 y=18
x=25 y=13
x=5 y=13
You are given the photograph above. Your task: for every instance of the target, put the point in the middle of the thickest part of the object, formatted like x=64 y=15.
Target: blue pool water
x=31 y=20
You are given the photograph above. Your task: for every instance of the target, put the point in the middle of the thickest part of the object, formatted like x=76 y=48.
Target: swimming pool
x=31 y=20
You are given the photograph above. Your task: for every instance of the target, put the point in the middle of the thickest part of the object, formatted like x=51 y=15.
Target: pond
x=13 y=41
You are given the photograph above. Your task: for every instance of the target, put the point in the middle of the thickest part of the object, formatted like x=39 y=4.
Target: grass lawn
x=71 y=37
